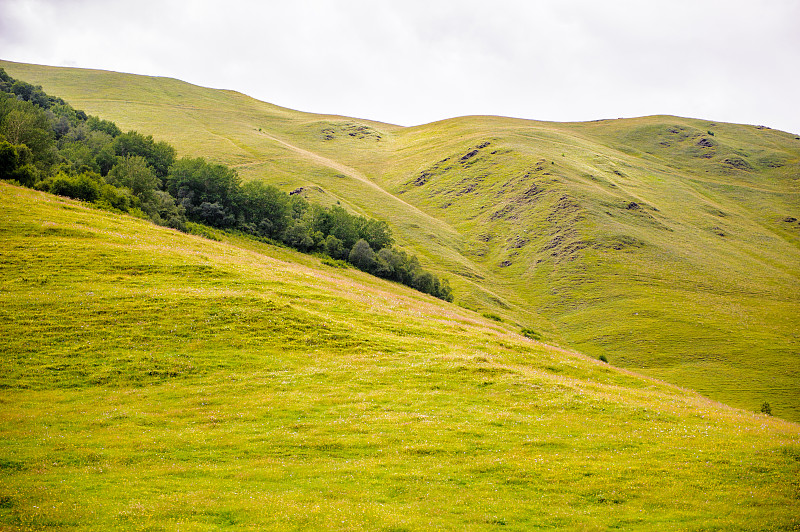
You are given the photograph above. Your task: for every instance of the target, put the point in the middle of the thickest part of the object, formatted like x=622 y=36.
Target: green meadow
x=670 y=246
x=156 y=380
x=153 y=380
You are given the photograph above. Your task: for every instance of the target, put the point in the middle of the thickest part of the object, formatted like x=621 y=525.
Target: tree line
x=48 y=145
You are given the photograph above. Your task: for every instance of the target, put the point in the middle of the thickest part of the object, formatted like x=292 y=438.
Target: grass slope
x=151 y=380
x=640 y=243
x=664 y=243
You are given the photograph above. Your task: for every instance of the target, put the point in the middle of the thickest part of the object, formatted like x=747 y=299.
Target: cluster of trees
x=48 y=145
x=212 y=194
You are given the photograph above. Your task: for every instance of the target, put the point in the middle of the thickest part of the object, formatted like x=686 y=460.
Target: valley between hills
x=158 y=380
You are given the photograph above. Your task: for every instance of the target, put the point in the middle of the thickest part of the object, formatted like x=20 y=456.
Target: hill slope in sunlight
x=669 y=245
x=156 y=380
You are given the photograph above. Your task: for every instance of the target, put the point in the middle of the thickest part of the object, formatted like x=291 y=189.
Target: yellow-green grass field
x=152 y=380
x=663 y=243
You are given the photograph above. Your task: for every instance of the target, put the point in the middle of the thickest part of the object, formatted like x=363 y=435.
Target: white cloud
x=417 y=61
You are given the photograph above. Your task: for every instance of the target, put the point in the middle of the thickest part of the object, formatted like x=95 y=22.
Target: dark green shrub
x=424 y=282
x=81 y=186
x=335 y=248
x=15 y=163
x=133 y=173
x=362 y=256
x=385 y=263
x=334 y=263
x=530 y=333
x=120 y=199
x=159 y=155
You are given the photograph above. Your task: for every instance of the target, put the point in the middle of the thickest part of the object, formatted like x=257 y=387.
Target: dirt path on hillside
x=358 y=176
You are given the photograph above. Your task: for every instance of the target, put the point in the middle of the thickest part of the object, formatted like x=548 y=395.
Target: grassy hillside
x=657 y=253
x=669 y=245
x=155 y=380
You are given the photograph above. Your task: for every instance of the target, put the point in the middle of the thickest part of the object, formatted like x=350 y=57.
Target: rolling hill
x=153 y=380
x=668 y=245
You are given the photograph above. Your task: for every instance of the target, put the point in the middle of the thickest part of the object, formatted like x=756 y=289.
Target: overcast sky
x=410 y=62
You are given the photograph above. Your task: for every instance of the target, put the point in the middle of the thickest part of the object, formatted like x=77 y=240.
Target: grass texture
x=152 y=380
